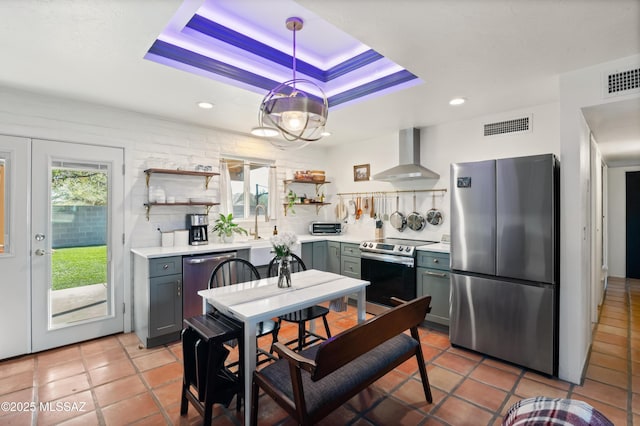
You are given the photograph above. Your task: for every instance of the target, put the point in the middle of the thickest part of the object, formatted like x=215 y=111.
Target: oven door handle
x=402 y=260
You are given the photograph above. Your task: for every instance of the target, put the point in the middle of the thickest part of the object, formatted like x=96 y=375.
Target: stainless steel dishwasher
x=196 y=271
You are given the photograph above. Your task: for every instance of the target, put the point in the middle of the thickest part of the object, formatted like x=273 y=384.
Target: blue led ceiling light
x=225 y=41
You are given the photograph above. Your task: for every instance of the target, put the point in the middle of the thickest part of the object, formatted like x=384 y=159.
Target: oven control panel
x=385 y=248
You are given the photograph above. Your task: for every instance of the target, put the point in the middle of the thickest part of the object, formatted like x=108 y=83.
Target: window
x=249 y=186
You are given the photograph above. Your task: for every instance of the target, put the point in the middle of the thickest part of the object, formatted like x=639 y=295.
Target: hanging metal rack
x=367 y=193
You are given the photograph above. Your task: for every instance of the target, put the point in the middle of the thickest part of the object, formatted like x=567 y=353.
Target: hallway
x=112 y=381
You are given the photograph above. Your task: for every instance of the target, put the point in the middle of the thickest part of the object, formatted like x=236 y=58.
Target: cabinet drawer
x=350 y=249
x=165 y=266
x=435 y=283
x=431 y=259
x=350 y=266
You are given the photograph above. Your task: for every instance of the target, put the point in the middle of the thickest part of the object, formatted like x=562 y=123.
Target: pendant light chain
x=294 y=55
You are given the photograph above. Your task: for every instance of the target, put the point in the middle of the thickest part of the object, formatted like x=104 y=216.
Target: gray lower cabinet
x=157 y=299
x=350 y=260
x=333 y=257
x=314 y=255
x=433 y=279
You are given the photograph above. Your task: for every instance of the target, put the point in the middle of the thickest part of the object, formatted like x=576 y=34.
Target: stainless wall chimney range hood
x=409 y=168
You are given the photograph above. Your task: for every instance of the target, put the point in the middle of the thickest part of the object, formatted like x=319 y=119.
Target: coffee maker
x=197 y=224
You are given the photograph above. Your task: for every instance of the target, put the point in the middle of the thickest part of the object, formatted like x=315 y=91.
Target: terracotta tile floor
x=112 y=381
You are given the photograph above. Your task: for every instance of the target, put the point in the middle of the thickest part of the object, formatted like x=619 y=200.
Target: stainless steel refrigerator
x=505 y=259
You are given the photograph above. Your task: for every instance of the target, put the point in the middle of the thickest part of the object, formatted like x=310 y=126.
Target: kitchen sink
x=261 y=252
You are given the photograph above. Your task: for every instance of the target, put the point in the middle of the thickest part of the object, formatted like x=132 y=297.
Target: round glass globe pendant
x=297 y=108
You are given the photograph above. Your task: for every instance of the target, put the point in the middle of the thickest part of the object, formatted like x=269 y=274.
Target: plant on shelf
x=225 y=227
x=291 y=200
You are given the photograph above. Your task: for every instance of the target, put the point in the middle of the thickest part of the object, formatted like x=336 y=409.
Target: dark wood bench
x=311 y=384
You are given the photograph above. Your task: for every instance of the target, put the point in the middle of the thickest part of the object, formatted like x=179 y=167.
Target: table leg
x=362 y=305
x=250 y=351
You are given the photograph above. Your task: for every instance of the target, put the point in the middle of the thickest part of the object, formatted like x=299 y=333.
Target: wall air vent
x=509 y=126
x=622 y=82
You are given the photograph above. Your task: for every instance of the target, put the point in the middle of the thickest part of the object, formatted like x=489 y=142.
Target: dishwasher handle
x=213 y=258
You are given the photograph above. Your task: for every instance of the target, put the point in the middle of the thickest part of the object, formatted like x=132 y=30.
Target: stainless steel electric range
x=390 y=266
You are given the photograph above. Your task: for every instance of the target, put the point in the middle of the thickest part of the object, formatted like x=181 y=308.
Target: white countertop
x=155 y=252
x=438 y=247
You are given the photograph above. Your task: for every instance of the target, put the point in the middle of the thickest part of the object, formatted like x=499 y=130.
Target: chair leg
x=301 y=335
x=326 y=326
x=274 y=334
x=184 y=403
x=254 y=403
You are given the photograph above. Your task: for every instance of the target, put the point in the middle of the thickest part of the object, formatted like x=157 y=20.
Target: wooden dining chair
x=303 y=315
x=237 y=270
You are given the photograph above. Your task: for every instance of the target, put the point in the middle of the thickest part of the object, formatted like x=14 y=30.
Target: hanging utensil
x=372 y=212
x=415 y=221
x=386 y=209
x=397 y=219
x=434 y=216
x=358 y=207
x=366 y=205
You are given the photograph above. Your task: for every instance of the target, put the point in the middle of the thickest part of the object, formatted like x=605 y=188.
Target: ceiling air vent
x=623 y=82
x=508 y=126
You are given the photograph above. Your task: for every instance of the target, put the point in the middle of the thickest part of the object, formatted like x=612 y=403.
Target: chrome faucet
x=266 y=219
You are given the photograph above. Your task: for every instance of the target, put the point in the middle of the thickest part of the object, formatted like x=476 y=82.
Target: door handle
x=436 y=274
x=41 y=252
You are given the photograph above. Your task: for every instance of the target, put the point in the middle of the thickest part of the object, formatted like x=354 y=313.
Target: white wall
x=616 y=187
x=440 y=146
x=578 y=89
x=146 y=138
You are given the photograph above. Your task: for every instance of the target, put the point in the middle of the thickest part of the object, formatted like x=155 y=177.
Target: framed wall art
x=361 y=172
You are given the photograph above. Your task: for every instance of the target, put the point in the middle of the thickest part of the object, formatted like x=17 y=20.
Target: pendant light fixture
x=297 y=109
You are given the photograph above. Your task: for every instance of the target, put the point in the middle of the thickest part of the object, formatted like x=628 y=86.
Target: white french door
x=15 y=316
x=76 y=243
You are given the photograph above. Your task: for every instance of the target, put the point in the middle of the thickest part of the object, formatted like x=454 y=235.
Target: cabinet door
x=320 y=255
x=350 y=266
x=333 y=257
x=435 y=283
x=165 y=305
x=306 y=254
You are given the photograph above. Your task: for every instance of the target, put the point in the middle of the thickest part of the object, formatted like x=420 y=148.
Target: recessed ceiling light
x=264 y=132
x=205 y=105
x=457 y=101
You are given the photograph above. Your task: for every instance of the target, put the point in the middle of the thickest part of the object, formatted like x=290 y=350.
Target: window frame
x=248 y=162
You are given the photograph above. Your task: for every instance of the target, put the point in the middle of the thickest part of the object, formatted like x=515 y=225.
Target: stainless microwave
x=325 y=228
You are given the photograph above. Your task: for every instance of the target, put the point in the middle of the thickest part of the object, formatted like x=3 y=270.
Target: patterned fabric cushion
x=345 y=379
x=549 y=411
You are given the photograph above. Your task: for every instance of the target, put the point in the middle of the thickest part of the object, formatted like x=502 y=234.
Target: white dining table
x=259 y=300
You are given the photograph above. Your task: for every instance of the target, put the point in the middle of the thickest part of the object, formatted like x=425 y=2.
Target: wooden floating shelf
x=207 y=206
x=318 y=205
x=207 y=175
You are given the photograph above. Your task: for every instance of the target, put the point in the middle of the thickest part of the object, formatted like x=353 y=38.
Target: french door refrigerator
x=504 y=259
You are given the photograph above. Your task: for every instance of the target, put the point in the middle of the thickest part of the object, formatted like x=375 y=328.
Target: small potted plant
x=292 y=197
x=226 y=228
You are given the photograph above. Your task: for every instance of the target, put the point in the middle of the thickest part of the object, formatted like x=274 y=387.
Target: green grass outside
x=79 y=266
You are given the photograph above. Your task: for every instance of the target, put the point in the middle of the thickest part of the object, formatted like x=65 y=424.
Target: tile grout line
x=627 y=288
x=92 y=388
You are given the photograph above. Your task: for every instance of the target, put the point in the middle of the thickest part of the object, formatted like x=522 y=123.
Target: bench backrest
x=350 y=344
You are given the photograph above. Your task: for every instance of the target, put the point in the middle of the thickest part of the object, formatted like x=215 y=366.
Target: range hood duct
x=409 y=168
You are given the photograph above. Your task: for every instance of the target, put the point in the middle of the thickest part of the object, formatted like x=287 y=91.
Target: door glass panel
x=79 y=244
x=3 y=205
